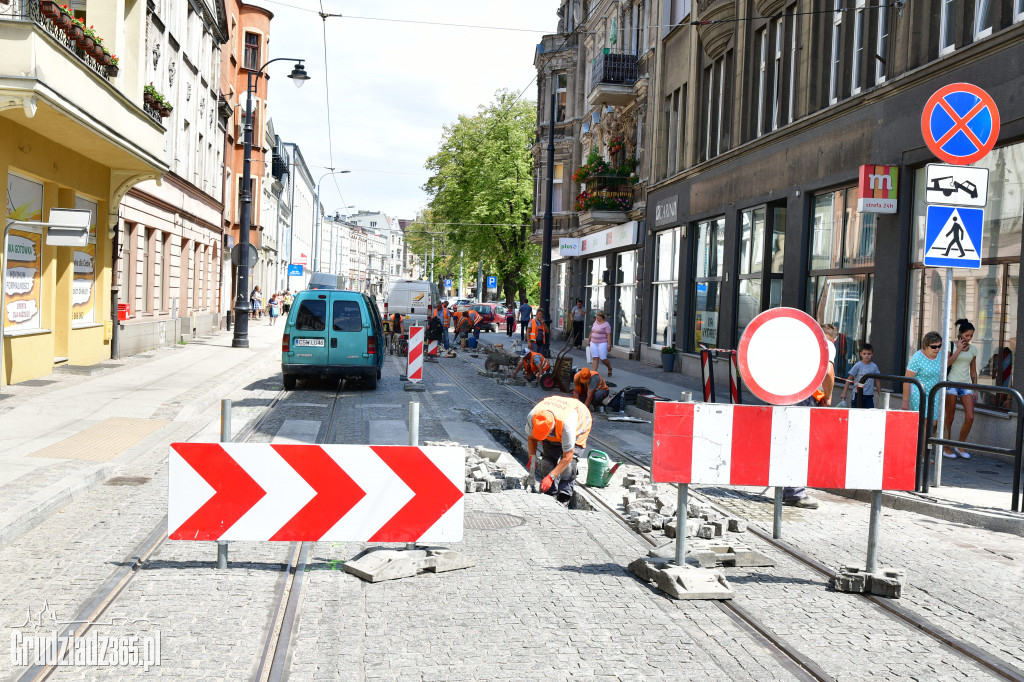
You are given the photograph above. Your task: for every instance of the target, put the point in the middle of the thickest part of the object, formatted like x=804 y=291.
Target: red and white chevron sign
x=415 y=371
x=757 y=445
x=361 y=493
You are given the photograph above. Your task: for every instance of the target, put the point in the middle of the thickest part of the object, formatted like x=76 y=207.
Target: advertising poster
x=83 y=296
x=24 y=254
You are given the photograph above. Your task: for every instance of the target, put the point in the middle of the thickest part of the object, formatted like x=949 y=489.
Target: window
x=791 y=18
x=947 y=27
x=594 y=288
x=347 y=316
x=672 y=122
x=557 y=295
x=762 y=241
x=984 y=18
x=837 y=34
x=665 y=288
x=1018 y=10
x=311 y=316
x=708 y=259
x=882 y=44
x=714 y=111
x=777 y=70
x=762 y=78
x=251 y=58
x=556 y=188
x=859 y=27
x=988 y=296
x=677 y=11
x=561 y=83
x=625 y=298
x=841 y=273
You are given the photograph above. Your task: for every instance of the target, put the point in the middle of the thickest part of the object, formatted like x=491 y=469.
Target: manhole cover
x=128 y=480
x=488 y=521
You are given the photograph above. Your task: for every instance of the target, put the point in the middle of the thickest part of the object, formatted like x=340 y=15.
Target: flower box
x=74 y=32
x=103 y=58
x=85 y=43
x=112 y=70
x=49 y=8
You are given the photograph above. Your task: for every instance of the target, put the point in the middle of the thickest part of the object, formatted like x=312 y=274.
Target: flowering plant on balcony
x=616 y=144
x=598 y=201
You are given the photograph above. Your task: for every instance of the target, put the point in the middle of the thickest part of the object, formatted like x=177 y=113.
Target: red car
x=493 y=315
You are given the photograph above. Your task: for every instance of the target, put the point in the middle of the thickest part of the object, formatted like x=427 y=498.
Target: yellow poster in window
x=24 y=255
x=83 y=295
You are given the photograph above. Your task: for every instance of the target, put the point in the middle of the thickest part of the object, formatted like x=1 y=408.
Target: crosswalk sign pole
x=944 y=355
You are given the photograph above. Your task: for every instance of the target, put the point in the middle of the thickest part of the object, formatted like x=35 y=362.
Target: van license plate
x=319 y=343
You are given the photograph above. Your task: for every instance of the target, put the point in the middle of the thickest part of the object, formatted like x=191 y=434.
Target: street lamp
x=316 y=217
x=241 y=308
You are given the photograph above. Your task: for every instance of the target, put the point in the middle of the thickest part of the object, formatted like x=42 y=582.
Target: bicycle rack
x=1014 y=451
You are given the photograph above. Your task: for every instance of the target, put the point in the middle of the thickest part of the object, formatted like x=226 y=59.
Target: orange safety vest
x=446 y=316
x=534 y=326
x=582 y=381
x=561 y=407
x=474 y=317
x=536 y=363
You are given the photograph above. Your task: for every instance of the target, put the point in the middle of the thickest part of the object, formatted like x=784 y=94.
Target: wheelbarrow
x=561 y=371
x=498 y=358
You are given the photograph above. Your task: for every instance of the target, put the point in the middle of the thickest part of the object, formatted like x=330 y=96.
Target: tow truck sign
x=956 y=185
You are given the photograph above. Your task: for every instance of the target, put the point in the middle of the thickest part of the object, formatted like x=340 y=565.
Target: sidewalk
x=975 y=491
x=63 y=434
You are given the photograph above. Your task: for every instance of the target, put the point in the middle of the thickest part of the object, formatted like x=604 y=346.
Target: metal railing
x=28 y=10
x=614 y=68
x=1015 y=451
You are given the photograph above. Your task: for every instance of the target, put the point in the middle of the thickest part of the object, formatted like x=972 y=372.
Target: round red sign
x=783 y=356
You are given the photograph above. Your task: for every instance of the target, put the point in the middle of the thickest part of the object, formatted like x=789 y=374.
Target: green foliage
x=481 y=189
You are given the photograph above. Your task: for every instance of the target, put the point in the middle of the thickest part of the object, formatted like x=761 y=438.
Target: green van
x=332 y=333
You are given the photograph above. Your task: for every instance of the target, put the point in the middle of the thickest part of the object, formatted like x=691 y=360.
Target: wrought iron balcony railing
x=614 y=68
x=29 y=10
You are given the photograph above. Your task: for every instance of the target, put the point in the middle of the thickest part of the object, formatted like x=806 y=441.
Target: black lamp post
x=241 y=308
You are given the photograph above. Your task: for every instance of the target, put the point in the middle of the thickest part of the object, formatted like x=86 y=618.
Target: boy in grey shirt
x=865 y=366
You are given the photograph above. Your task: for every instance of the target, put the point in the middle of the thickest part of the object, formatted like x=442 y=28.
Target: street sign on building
x=956 y=185
x=877 y=189
x=960 y=123
x=237 y=255
x=953 y=237
x=294 y=270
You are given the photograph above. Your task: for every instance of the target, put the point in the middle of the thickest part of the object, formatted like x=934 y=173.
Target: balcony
x=611 y=82
x=605 y=200
x=29 y=10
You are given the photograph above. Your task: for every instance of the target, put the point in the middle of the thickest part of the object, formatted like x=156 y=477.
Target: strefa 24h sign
x=877 y=189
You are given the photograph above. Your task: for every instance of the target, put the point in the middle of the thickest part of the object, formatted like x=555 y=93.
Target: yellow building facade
x=73 y=134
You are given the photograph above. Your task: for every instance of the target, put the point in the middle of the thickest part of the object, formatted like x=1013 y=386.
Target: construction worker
x=469 y=322
x=538 y=334
x=562 y=425
x=446 y=319
x=534 y=366
x=589 y=388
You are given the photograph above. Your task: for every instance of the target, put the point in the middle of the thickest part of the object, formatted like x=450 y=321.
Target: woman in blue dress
x=926 y=365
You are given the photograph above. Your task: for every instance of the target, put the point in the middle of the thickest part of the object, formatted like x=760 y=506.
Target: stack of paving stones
x=484 y=474
x=649 y=510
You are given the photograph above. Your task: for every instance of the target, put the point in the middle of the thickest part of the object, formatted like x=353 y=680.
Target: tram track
x=791 y=658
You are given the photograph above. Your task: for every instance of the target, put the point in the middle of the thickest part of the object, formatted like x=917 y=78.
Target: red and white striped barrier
x=1006 y=368
x=734 y=380
x=707 y=370
x=357 y=493
x=415 y=371
x=432 y=348
x=784 y=446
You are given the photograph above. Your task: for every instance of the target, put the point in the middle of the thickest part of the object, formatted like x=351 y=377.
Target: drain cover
x=488 y=521
x=128 y=480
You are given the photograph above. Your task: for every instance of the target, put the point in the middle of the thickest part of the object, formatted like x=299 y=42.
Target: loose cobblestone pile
x=651 y=510
x=484 y=473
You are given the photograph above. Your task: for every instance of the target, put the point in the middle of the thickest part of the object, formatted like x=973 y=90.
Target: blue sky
x=393 y=85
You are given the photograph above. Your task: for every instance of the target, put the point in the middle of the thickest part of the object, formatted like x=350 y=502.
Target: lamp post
x=241 y=308
x=316 y=217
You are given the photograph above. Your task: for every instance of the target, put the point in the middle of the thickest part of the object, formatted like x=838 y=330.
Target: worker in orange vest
x=534 y=366
x=469 y=322
x=538 y=334
x=562 y=425
x=446 y=319
x=589 y=388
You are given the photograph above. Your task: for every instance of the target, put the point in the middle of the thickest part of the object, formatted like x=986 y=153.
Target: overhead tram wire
x=408 y=21
x=327 y=96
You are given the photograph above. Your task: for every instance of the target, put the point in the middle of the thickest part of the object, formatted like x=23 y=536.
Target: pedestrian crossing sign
x=953 y=237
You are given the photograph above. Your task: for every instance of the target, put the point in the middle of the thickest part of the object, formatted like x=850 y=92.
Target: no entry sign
x=960 y=123
x=783 y=356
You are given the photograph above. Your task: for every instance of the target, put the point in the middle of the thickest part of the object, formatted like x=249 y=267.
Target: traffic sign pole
x=943 y=352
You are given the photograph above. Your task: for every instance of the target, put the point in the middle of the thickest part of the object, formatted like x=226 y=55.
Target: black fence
x=614 y=68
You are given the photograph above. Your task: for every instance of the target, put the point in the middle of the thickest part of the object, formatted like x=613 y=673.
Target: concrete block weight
x=682 y=582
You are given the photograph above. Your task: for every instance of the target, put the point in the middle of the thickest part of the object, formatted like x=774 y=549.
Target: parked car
x=493 y=314
x=463 y=304
x=332 y=333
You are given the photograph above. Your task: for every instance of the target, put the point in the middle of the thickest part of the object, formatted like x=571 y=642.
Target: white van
x=412 y=298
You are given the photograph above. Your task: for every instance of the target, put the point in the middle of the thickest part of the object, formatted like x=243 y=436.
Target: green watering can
x=599 y=469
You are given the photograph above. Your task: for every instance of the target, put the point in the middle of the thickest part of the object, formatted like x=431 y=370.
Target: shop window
x=708 y=261
x=595 y=292
x=988 y=296
x=762 y=240
x=665 y=288
x=841 y=273
x=625 y=299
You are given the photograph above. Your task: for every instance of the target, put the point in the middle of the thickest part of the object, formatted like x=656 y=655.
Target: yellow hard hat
x=543 y=422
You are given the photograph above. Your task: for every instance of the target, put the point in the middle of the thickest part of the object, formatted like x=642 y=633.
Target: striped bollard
x=1006 y=368
x=734 y=380
x=432 y=349
x=707 y=370
x=415 y=371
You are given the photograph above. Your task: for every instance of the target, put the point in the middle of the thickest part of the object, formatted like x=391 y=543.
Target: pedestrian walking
x=926 y=365
x=579 y=321
x=256 y=302
x=510 y=321
x=561 y=425
x=274 y=308
x=538 y=334
x=525 y=315
x=590 y=388
x=963 y=368
x=863 y=366
x=600 y=334
x=288 y=298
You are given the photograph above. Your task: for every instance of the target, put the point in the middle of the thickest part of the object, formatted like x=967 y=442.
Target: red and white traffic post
x=415 y=369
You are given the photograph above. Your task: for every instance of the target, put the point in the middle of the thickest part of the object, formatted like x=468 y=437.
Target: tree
x=481 y=191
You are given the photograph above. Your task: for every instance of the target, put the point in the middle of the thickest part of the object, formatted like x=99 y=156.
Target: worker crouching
x=534 y=366
x=590 y=388
x=561 y=425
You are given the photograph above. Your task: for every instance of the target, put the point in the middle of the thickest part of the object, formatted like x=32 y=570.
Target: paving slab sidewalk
x=53 y=443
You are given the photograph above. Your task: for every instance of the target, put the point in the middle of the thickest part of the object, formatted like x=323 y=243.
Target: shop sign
x=24 y=256
x=877 y=189
x=569 y=248
x=612 y=238
x=666 y=211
